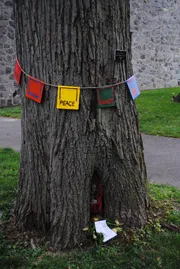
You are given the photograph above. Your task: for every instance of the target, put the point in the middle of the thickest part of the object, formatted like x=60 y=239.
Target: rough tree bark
x=72 y=42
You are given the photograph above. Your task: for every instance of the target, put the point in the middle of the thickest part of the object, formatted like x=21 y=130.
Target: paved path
x=162 y=154
x=10 y=133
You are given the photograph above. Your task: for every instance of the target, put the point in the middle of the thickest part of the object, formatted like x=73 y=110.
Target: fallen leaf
x=85 y=229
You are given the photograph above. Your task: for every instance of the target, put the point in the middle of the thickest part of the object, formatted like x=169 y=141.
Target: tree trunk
x=72 y=42
x=176 y=98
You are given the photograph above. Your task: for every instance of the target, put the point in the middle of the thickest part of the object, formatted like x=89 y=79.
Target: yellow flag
x=68 y=97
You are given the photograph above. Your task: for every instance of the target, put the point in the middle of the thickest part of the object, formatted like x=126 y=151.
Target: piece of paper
x=68 y=97
x=133 y=87
x=17 y=72
x=101 y=227
x=105 y=97
x=34 y=89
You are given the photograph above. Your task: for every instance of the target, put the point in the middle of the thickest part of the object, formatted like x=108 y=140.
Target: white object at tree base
x=101 y=227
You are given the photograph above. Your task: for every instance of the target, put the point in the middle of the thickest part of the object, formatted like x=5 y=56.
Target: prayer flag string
x=84 y=88
x=68 y=97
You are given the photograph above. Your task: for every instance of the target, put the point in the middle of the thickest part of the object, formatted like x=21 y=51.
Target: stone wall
x=7 y=54
x=155 y=27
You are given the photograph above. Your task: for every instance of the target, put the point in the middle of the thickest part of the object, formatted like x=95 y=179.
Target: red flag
x=34 y=89
x=17 y=72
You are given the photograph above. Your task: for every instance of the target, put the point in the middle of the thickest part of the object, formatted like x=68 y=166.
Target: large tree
x=72 y=42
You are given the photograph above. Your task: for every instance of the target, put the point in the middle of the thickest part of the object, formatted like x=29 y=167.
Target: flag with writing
x=34 y=89
x=133 y=87
x=68 y=97
x=105 y=97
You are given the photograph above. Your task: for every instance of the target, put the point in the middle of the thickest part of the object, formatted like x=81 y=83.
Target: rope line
x=91 y=87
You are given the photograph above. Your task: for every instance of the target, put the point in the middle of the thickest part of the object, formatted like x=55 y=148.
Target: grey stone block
x=8 y=70
x=11 y=35
x=9 y=102
x=2 y=72
x=2 y=88
x=155 y=41
x=16 y=100
x=8 y=3
x=11 y=77
x=12 y=23
x=12 y=16
x=6 y=45
x=3 y=103
x=10 y=51
x=9 y=58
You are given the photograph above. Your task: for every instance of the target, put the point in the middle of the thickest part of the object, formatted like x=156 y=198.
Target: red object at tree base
x=97 y=206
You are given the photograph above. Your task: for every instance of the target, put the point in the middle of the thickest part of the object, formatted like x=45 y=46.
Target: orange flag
x=34 y=89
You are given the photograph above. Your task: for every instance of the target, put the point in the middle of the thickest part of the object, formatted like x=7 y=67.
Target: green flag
x=105 y=97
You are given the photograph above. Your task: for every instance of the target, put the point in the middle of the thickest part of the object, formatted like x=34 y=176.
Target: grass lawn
x=151 y=248
x=9 y=165
x=13 y=112
x=157 y=114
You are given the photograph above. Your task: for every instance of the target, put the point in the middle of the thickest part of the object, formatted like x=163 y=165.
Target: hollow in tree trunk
x=73 y=43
